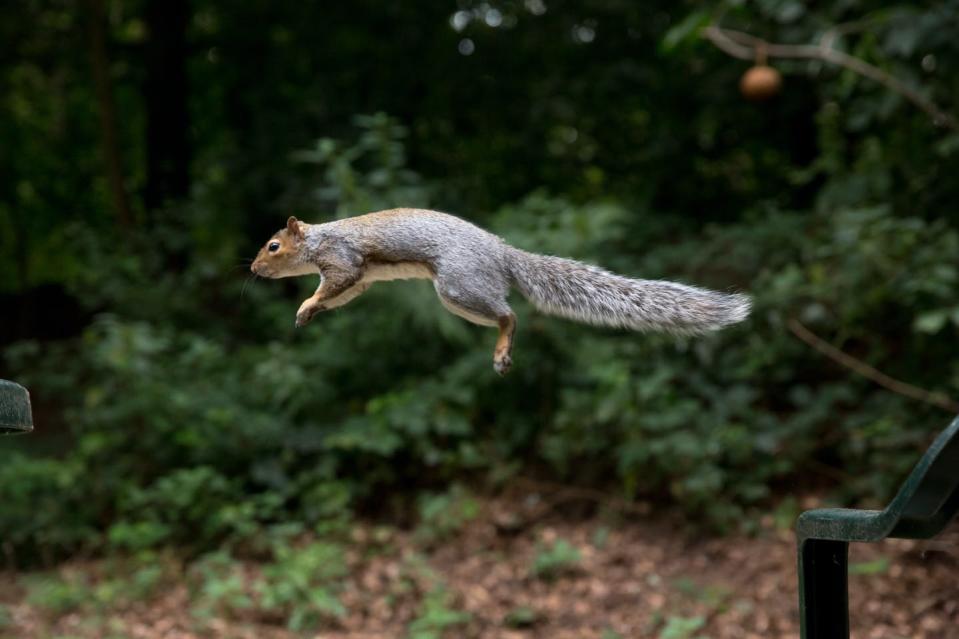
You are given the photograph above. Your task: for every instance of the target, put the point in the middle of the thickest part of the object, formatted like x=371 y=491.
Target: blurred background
x=200 y=468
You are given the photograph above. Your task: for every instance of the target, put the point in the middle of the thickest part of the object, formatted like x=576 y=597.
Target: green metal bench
x=15 y=414
x=926 y=503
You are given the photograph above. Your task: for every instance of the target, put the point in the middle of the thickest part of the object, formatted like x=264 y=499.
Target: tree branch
x=902 y=388
x=744 y=46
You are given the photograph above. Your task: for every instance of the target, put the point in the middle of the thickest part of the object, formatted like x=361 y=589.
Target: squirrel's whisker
x=249 y=279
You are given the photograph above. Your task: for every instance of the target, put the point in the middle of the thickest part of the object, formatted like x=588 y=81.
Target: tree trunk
x=166 y=92
x=96 y=33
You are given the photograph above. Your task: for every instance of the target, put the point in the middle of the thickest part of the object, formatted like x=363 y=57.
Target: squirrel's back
x=469 y=257
x=409 y=234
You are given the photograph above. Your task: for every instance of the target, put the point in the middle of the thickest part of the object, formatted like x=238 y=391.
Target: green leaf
x=681 y=627
x=875 y=567
x=931 y=322
x=685 y=31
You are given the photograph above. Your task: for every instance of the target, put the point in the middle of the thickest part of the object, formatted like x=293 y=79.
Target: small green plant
x=123 y=584
x=300 y=585
x=221 y=587
x=144 y=581
x=874 y=567
x=521 y=617
x=445 y=514
x=681 y=627
x=552 y=561
x=713 y=595
x=131 y=579
x=601 y=537
x=58 y=595
x=436 y=616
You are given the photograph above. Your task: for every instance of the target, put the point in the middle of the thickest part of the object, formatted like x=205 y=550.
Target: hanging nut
x=761 y=82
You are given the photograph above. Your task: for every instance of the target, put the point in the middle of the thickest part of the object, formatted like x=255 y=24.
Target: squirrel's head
x=283 y=255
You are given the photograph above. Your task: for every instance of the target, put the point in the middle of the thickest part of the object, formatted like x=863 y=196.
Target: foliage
x=436 y=616
x=300 y=584
x=58 y=596
x=125 y=583
x=555 y=559
x=874 y=567
x=521 y=617
x=370 y=174
x=43 y=511
x=681 y=627
x=177 y=405
x=218 y=586
x=444 y=515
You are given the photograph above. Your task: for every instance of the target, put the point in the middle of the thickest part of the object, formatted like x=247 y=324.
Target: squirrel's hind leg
x=503 y=353
x=485 y=310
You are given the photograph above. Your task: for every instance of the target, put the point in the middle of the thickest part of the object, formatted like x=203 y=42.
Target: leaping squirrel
x=473 y=272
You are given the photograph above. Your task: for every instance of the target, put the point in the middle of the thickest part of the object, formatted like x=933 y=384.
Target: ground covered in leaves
x=510 y=568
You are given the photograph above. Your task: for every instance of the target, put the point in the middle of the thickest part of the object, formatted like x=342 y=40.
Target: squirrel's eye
x=274 y=247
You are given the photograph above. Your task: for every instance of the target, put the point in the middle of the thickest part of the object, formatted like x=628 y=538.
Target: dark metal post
x=824 y=589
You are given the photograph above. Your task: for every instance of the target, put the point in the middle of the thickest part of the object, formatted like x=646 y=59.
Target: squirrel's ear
x=293 y=226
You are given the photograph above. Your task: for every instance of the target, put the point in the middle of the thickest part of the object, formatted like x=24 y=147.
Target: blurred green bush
x=200 y=416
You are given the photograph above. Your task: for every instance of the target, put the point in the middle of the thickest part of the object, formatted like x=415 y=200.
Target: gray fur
x=590 y=294
x=474 y=270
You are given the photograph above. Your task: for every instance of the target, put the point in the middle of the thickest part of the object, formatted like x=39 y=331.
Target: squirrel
x=473 y=272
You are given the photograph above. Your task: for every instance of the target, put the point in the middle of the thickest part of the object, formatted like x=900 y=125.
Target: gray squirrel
x=473 y=272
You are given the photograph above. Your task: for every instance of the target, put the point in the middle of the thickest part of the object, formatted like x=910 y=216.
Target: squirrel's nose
x=253 y=268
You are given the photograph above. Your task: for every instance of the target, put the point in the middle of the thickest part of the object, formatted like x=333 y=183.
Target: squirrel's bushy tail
x=590 y=294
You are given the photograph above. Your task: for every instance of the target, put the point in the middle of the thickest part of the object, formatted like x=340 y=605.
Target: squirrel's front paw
x=305 y=314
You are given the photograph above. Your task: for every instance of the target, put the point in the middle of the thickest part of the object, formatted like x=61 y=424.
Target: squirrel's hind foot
x=502 y=364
